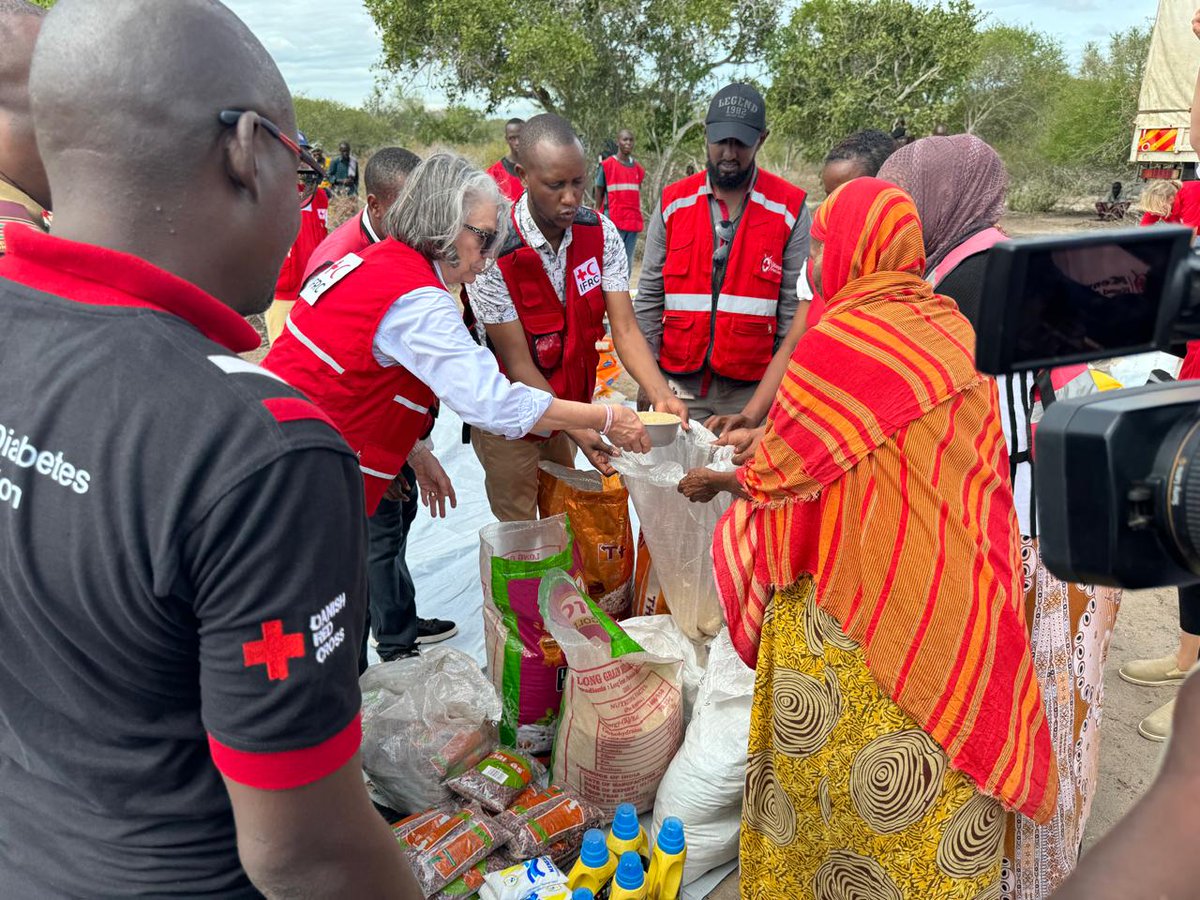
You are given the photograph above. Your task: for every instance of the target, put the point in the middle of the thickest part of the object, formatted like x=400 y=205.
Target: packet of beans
x=442 y=846
x=498 y=779
x=468 y=884
x=549 y=826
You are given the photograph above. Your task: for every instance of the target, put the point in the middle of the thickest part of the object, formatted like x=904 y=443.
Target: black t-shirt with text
x=180 y=562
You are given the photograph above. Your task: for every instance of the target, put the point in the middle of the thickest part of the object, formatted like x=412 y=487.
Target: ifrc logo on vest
x=587 y=276
x=770 y=266
x=328 y=277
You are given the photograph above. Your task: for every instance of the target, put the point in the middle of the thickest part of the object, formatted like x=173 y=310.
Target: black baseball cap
x=738 y=111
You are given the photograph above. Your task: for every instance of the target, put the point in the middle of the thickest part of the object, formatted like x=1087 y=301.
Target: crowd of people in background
x=928 y=696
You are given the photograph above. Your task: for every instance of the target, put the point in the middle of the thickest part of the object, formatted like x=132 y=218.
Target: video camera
x=1117 y=475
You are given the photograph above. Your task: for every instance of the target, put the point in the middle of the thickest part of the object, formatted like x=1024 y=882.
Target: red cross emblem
x=274 y=650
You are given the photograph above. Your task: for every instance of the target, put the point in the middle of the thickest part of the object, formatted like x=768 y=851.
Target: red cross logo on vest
x=274 y=650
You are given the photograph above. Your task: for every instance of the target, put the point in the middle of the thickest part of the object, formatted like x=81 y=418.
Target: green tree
x=603 y=64
x=327 y=122
x=1091 y=117
x=843 y=65
x=1017 y=73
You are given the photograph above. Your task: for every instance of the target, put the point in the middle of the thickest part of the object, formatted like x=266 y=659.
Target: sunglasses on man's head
x=309 y=173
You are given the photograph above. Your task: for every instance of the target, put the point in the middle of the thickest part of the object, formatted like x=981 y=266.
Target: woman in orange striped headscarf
x=871 y=569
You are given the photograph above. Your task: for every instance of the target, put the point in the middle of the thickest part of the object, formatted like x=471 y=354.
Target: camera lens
x=1177 y=471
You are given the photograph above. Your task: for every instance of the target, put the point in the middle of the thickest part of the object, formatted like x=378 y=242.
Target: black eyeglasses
x=309 y=174
x=487 y=239
x=724 y=232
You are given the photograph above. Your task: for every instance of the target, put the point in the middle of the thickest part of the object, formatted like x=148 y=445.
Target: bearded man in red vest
x=723 y=253
x=542 y=305
x=619 y=192
x=504 y=170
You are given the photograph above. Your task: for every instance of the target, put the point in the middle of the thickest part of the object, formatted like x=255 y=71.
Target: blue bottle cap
x=582 y=894
x=630 y=874
x=594 y=853
x=670 y=836
x=625 y=825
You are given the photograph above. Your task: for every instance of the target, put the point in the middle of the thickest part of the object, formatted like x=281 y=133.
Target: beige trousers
x=511 y=471
x=275 y=317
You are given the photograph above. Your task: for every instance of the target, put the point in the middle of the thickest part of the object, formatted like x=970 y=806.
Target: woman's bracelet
x=608 y=418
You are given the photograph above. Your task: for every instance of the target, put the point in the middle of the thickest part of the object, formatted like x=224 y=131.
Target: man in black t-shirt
x=181 y=533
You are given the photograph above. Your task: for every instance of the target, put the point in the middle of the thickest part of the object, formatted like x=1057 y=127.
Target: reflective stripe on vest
x=408 y=404
x=671 y=208
x=732 y=303
x=623 y=187
x=375 y=473
x=317 y=351
x=771 y=206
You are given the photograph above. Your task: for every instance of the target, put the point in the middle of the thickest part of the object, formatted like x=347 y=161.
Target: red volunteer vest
x=623 y=193
x=739 y=340
x=510 y=185
x=312 y=232
x=325 y=351
x=349 y=237
x=562 y=338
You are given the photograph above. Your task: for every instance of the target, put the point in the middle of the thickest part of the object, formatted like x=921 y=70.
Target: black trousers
x=1189 y=609
x=392 y=596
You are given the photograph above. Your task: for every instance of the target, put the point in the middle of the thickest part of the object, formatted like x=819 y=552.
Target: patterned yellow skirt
x=846 y=797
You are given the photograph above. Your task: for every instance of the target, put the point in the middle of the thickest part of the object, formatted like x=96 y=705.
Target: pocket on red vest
x=744 y=346
x=684 y=341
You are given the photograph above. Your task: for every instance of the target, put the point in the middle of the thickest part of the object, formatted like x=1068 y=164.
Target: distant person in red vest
x=619 y=192
x=24 y=190
x=717 y=292
x=504 y=170
x=291 y=276
x=543 y=305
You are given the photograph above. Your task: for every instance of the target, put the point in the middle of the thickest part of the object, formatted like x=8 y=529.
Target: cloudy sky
x=329 y=49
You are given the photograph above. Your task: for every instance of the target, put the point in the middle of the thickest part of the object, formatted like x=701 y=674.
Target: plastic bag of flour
x=622 y=713
x=678 y=532
x=524 y=663
x=425 y=719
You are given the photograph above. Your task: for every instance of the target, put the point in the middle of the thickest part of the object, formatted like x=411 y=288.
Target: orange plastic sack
x=598 y=510
x=649 y=598
x=609 y=370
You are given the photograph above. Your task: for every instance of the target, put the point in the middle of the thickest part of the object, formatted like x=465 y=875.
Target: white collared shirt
x=489 y=295
x=424 y=332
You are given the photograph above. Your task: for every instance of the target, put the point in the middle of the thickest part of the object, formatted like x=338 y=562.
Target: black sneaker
x=433 y=631
x=400 y=653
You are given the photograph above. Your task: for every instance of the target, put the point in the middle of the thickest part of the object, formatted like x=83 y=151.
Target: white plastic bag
x=679 y=532
x=622 y=712
x=704 y=783
x=425 y=719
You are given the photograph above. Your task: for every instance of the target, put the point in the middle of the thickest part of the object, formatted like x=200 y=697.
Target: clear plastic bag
x=425 y=719
x=678 y=532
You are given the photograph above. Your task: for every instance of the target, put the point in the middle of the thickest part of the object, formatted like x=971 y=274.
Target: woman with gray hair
x=378 y=340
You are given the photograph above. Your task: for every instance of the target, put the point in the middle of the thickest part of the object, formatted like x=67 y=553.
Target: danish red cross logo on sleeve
x=274 y=650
